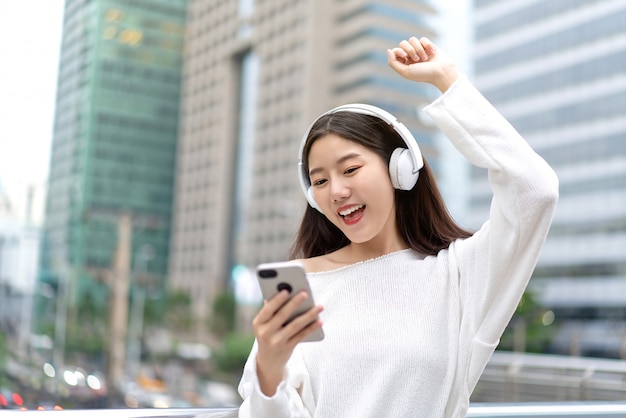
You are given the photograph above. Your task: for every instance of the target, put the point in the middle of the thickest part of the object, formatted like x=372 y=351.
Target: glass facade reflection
x=114 y=143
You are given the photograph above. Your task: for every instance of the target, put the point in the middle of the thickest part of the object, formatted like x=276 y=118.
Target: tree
x=178 y=311
x=531 y=329
x=224 y=314
x=85 y=334
x=231 y=356
x=233 y=351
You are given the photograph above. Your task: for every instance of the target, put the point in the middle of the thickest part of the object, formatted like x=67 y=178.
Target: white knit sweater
x=409 y=336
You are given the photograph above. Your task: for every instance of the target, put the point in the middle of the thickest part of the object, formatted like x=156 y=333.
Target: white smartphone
x=290 y=276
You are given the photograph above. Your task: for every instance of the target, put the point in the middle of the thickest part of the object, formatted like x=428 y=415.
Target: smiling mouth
x=352 y=213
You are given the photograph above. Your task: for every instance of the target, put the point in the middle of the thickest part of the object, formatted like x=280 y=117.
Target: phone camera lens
x=284 y=286
x=268 y=274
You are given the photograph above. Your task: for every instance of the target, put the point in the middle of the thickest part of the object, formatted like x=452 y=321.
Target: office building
x=557 y=71
x=257 y=73
x=19 y=252
x=114 y=144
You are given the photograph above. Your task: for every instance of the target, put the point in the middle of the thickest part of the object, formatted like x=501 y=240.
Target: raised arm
x=495 y=264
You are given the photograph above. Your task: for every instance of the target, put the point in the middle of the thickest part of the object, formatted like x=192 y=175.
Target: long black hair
x=422 y=217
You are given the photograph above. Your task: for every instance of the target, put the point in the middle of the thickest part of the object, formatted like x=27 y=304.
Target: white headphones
x=404 y=164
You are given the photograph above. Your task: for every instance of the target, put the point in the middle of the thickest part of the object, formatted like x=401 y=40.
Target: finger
x=303 y=320
x=277 y=328
x=398 y=54
x=396 y=61
x=410 y=50
x=285 y=312
x=270 y=307
x=305 y=332
x=293 y=330
x=419 y=48
x=429 y=47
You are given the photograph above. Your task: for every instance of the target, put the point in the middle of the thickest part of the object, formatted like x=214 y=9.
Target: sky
x=30 y=42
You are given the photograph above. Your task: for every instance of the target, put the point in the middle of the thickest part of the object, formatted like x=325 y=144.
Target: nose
x=339 y=190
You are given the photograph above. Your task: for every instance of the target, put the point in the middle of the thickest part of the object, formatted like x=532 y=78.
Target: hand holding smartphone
x=290 y=276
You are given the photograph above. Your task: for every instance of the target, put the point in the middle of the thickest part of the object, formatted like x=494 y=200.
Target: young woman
x=413 y=305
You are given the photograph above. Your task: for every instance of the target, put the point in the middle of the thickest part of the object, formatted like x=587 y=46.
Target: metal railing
x=512 y=385
x=518 y=377
x=548 y=410
x=126 y=413
x=531 y=410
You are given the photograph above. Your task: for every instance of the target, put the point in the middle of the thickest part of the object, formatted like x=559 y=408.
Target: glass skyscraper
x=114 y=142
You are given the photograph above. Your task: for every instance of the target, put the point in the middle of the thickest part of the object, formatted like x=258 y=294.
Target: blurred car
x=10 y=399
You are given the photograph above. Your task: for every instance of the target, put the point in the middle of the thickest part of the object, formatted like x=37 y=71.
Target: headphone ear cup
x=311 y=199
x=401 y=169
x=393 y=167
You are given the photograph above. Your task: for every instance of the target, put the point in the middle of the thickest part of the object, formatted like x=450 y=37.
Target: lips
x=351 y=214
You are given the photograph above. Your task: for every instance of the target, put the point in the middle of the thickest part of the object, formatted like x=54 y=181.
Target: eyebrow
x=339 y=161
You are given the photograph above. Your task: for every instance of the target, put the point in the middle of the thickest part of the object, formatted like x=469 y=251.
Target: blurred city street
x=148 y=164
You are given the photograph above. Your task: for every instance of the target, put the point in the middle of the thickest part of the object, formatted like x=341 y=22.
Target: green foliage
x=178 y=311
x=86 y=329
x=154 y=312
x=231 y=356
x=81 y=339
x=224 y=314
x=43 y=315
x=536 y=323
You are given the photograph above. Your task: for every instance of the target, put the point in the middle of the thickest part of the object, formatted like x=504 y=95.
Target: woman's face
x=352 y=187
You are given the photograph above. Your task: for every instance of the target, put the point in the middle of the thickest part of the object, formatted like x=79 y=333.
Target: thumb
x=398 y=66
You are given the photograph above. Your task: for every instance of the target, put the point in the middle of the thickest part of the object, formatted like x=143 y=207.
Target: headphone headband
x=417 y=161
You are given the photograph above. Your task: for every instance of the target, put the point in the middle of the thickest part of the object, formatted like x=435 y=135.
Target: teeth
x=348 y=211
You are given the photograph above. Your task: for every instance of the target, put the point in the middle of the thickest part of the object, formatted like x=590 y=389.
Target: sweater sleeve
x=293 y=397
x=495 y=264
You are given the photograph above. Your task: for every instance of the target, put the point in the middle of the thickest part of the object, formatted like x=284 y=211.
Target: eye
x=351 y=170
x=318 y=182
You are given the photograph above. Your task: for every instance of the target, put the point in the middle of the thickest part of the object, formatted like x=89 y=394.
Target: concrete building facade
x=257 y=73
x=557 y=71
